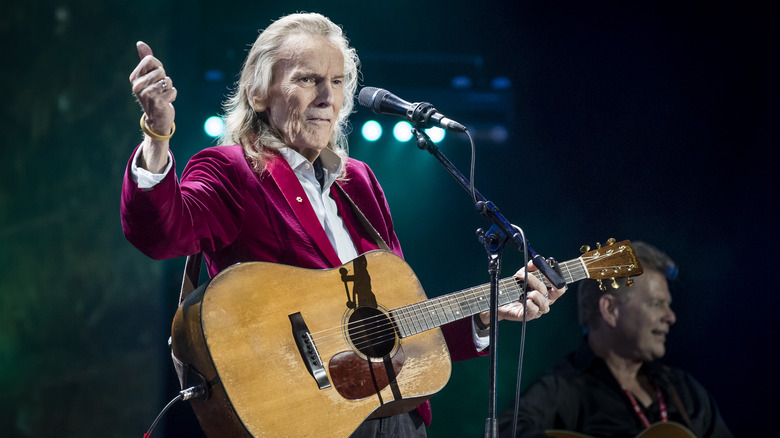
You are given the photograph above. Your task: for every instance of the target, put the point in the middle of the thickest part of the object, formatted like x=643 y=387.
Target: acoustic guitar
x=668 y=429
x=287 y=351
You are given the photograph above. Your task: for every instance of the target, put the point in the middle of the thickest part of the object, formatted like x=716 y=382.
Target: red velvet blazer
x=232 y=214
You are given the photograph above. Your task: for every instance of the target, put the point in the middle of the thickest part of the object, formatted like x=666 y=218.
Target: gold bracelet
x=157 y=137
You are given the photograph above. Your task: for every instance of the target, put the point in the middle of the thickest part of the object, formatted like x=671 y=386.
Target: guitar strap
x=676 y=399
x=189 y=283
x=364 y=220
x=191 y=276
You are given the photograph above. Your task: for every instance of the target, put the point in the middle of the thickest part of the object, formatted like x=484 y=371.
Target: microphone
x=421 y=115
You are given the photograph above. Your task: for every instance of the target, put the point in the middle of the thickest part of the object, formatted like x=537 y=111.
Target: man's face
x=645 y=316
x=306 y=93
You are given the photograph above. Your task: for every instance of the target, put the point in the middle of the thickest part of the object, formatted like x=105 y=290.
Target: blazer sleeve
x=173 y=219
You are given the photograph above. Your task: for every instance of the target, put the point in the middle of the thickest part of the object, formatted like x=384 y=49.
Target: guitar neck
x=417 y=318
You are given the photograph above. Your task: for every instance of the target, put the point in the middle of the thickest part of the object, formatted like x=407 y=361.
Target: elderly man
x=281 y=189
x=614 y=384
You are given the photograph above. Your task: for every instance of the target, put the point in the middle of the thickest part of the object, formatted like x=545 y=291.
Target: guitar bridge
x=309 y=353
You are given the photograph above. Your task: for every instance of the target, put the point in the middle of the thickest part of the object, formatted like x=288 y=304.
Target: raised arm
x=156 y=94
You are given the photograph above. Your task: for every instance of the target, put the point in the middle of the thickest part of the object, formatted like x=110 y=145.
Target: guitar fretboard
x=417 y=318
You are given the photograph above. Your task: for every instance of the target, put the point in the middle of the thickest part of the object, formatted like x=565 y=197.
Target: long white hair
x=250 y=129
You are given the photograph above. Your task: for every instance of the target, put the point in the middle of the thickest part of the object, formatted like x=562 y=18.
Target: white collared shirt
x=319 y=197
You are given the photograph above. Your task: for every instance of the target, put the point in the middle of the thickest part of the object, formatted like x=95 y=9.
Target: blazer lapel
x=296 y=198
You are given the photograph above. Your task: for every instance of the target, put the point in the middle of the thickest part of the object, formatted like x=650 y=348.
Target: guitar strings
x=414 y=315
x=369 y=329
x=423 y=316
x=419 y=317
x=414 y=312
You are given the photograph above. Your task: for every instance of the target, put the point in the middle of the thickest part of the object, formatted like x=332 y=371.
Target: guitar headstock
x=615 y=260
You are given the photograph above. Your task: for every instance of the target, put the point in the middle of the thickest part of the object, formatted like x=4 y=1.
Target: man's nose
x=325 y=93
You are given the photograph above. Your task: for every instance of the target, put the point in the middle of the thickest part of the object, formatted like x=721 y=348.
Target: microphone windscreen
x=371 y=97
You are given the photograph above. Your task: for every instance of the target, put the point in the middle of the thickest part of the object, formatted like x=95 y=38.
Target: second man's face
x=646 y=316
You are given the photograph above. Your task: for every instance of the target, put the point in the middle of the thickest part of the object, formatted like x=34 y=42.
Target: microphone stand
x=494 y=240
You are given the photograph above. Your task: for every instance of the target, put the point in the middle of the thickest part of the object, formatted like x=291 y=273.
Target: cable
x=522 y=337
x=154 y=423
x=473 y=165
x=185 y=394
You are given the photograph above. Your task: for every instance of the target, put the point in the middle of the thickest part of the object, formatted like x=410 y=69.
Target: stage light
x=214 y=126
x=435 y=134
x=402 y=131
x=461 y=82
x=501 y=83
x=499 y=134
x=372 y=130
x=214 y=75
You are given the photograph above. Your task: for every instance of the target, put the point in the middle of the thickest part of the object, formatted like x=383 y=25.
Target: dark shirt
x=580 y=394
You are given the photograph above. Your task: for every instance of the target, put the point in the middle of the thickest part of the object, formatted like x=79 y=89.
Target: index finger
x=533 y=281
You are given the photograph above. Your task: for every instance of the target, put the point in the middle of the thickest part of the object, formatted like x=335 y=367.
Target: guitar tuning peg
x=584 y=248
x=611 y=241
x=601 y=286
x=615 y=284
x=629 y=282
x=598 y=245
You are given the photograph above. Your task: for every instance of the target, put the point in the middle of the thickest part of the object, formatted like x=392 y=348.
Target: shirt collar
x=332 y=164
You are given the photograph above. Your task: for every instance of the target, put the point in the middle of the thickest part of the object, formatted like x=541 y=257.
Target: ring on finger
x=163 y=85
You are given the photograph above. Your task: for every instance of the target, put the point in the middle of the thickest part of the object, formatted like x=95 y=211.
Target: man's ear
x=609 y=309
x=258 y=104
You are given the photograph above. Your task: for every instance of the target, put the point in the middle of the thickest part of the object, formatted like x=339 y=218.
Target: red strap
x=638 y=410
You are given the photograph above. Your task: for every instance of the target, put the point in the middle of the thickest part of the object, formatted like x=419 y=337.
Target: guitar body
x=668 y=429
x=237 y=333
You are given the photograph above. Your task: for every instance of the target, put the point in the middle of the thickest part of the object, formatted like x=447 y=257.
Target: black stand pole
x=494 y=241
x=494 y=244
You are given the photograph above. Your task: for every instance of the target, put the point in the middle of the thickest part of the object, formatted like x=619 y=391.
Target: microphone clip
x=420 y=115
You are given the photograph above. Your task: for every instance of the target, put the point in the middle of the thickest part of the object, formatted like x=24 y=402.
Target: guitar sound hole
x=371 y=332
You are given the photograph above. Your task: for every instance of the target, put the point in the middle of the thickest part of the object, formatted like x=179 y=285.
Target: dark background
x=651 y=121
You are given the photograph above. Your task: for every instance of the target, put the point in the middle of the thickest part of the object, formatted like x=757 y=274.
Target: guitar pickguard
x=356 y=377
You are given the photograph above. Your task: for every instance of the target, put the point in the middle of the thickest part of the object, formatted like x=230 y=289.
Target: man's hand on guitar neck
x=539 y=300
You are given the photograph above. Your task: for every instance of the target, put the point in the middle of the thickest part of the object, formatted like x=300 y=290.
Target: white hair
x=252 y=130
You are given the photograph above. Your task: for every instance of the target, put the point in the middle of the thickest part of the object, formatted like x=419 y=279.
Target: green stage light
x=214 y=126
x=372 y=130
x=436 y=134
x=402 y=131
